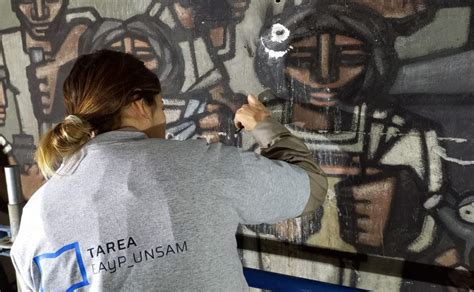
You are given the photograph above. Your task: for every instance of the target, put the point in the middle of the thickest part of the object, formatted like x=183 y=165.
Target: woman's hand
x=249 y=115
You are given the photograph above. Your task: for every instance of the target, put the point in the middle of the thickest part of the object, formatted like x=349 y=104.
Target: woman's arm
x=277 y=143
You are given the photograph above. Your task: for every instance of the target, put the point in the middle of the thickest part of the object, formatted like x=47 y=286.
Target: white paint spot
x=174 y=102
x=435 y=162
x=275 y=54
x=461 y=268
x=432 y=202
x=457 y=140
x=397 y=120
x=6 y=146
x=426 y=236
x=279 y=33
x=331 y=195
x=441 y=152
x=208 y=138
x=467 y=213
x=155 y=9
x=380 y=114
x=172 y=115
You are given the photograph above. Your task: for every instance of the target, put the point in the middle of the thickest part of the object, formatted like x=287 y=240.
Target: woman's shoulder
x=187 y=147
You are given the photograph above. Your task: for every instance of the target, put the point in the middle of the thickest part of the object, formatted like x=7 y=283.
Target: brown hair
x=99 y=86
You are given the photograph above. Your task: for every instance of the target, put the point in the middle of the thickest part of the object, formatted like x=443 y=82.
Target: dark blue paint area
x=279 y=282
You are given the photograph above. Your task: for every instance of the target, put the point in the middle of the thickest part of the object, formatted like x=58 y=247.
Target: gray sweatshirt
x=128 y=212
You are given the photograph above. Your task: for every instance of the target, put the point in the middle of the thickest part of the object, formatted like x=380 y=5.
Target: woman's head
x=104 y=91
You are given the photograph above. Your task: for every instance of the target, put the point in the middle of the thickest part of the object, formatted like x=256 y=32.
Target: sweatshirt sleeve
x=277 y=143
x=279 y=184
x=24 y=283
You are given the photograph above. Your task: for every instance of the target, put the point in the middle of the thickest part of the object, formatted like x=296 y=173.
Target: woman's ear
x=136 y=114
x=141 y=109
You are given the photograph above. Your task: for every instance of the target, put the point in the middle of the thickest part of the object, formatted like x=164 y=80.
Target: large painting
x=380 y=91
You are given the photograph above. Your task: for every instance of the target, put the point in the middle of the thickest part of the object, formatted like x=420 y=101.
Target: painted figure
x=205 y=33
x=33 y=55
x=188 y=107
x=330 y=68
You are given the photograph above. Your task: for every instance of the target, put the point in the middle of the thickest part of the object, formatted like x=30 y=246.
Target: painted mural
x=381 y=91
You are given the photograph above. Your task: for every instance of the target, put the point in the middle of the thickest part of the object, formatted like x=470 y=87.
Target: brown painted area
x=373 y=201
x=217 y=36
x=35 y=43
x=139 y=44
x=217 y=92
x=31 y=181
x=47 y=73
x=301 y=54
x=239 y=7
x=209 y=122
x=341 y=40
x=325 y=47
x=449 y=258
x=213 y=107
x=144 y=51
x=346 y=75
x=320 y=103
x=240 y=4
x=185 y=15
x=31 y=178
x=116 y=45
x=333 y=170
x=353 y=52
x=395 y=8
x=138 y=47
x=310 y=119
x=306 y=42
x=127 y=44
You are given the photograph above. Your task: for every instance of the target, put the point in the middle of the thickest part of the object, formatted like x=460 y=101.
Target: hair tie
x=76 y=119
x=73 y=118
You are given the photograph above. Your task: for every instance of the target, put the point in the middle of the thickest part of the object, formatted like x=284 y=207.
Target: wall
x=381 y=92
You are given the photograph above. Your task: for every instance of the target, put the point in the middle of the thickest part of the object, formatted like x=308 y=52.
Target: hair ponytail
x=65 y=139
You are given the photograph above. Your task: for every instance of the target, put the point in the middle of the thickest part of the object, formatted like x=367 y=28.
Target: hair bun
x=61 y=142
x=74 y=131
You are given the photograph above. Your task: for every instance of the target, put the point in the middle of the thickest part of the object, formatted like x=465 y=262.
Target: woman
x=125 y=209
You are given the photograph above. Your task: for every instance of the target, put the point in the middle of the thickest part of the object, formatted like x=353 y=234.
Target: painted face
x=39 y=15
x=326 y=66
x=140 y=48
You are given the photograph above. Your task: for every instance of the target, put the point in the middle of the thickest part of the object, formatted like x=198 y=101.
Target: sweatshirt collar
x=125 y=134
x=118 y=135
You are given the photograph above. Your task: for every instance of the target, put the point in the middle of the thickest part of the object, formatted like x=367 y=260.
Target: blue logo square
x=74 y=249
